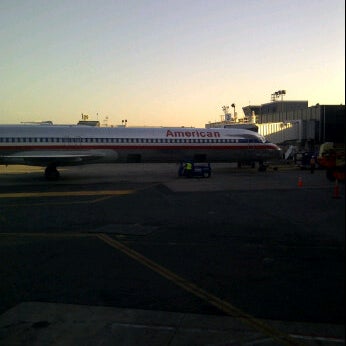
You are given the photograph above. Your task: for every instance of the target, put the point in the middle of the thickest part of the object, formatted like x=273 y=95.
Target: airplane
x=52 y=146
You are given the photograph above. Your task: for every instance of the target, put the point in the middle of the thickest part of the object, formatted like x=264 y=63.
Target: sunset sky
x=165 y=62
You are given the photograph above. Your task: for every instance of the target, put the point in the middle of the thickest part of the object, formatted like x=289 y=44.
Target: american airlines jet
x=52 y=146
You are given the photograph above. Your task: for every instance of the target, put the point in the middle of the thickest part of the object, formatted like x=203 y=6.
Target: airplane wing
x=45 y=157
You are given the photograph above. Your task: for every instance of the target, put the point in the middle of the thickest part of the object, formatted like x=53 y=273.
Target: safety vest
x=188 y=166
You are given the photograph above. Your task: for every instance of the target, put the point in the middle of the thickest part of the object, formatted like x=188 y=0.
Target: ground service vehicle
x=332 y=157
x=198 y=170
x=302 y=159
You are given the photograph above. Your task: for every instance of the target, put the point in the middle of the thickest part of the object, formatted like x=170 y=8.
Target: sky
x=165 y=62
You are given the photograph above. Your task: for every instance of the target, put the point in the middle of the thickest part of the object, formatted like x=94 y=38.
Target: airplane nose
x=278 y=152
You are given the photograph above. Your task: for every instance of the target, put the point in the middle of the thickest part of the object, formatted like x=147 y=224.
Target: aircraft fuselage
x=57 y=145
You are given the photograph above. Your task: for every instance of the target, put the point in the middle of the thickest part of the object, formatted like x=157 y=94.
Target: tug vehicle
x=332 y=158
x=200 y=170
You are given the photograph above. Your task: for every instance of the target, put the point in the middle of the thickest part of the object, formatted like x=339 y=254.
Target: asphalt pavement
x=134 y=255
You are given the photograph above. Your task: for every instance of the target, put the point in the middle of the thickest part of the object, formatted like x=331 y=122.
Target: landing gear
x=51 y=173
x=262 y=166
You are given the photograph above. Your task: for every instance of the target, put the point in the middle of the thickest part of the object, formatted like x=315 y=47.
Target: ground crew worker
x=312 y=164
x=188 y=169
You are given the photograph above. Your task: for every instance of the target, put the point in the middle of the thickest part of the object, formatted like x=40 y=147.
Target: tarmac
x=34 y=323
x=41 y=324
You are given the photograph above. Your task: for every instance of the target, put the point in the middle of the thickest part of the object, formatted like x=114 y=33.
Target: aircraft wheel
x=262 y=168
x=51 y=173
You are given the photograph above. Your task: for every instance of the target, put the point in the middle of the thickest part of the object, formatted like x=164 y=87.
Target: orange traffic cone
x=300 y=182
x=336 y=193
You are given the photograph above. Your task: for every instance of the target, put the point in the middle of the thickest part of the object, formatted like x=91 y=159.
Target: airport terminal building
x=292 y=122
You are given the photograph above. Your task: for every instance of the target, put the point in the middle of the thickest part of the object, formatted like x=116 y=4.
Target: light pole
x=277 y=94
x=233 y=105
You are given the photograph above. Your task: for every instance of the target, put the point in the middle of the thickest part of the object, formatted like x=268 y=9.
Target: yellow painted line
x=48 y=235
x=223 y=305
x=66 y=193
x=46 y=203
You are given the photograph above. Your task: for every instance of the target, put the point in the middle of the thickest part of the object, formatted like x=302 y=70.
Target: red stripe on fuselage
x=127 y=147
